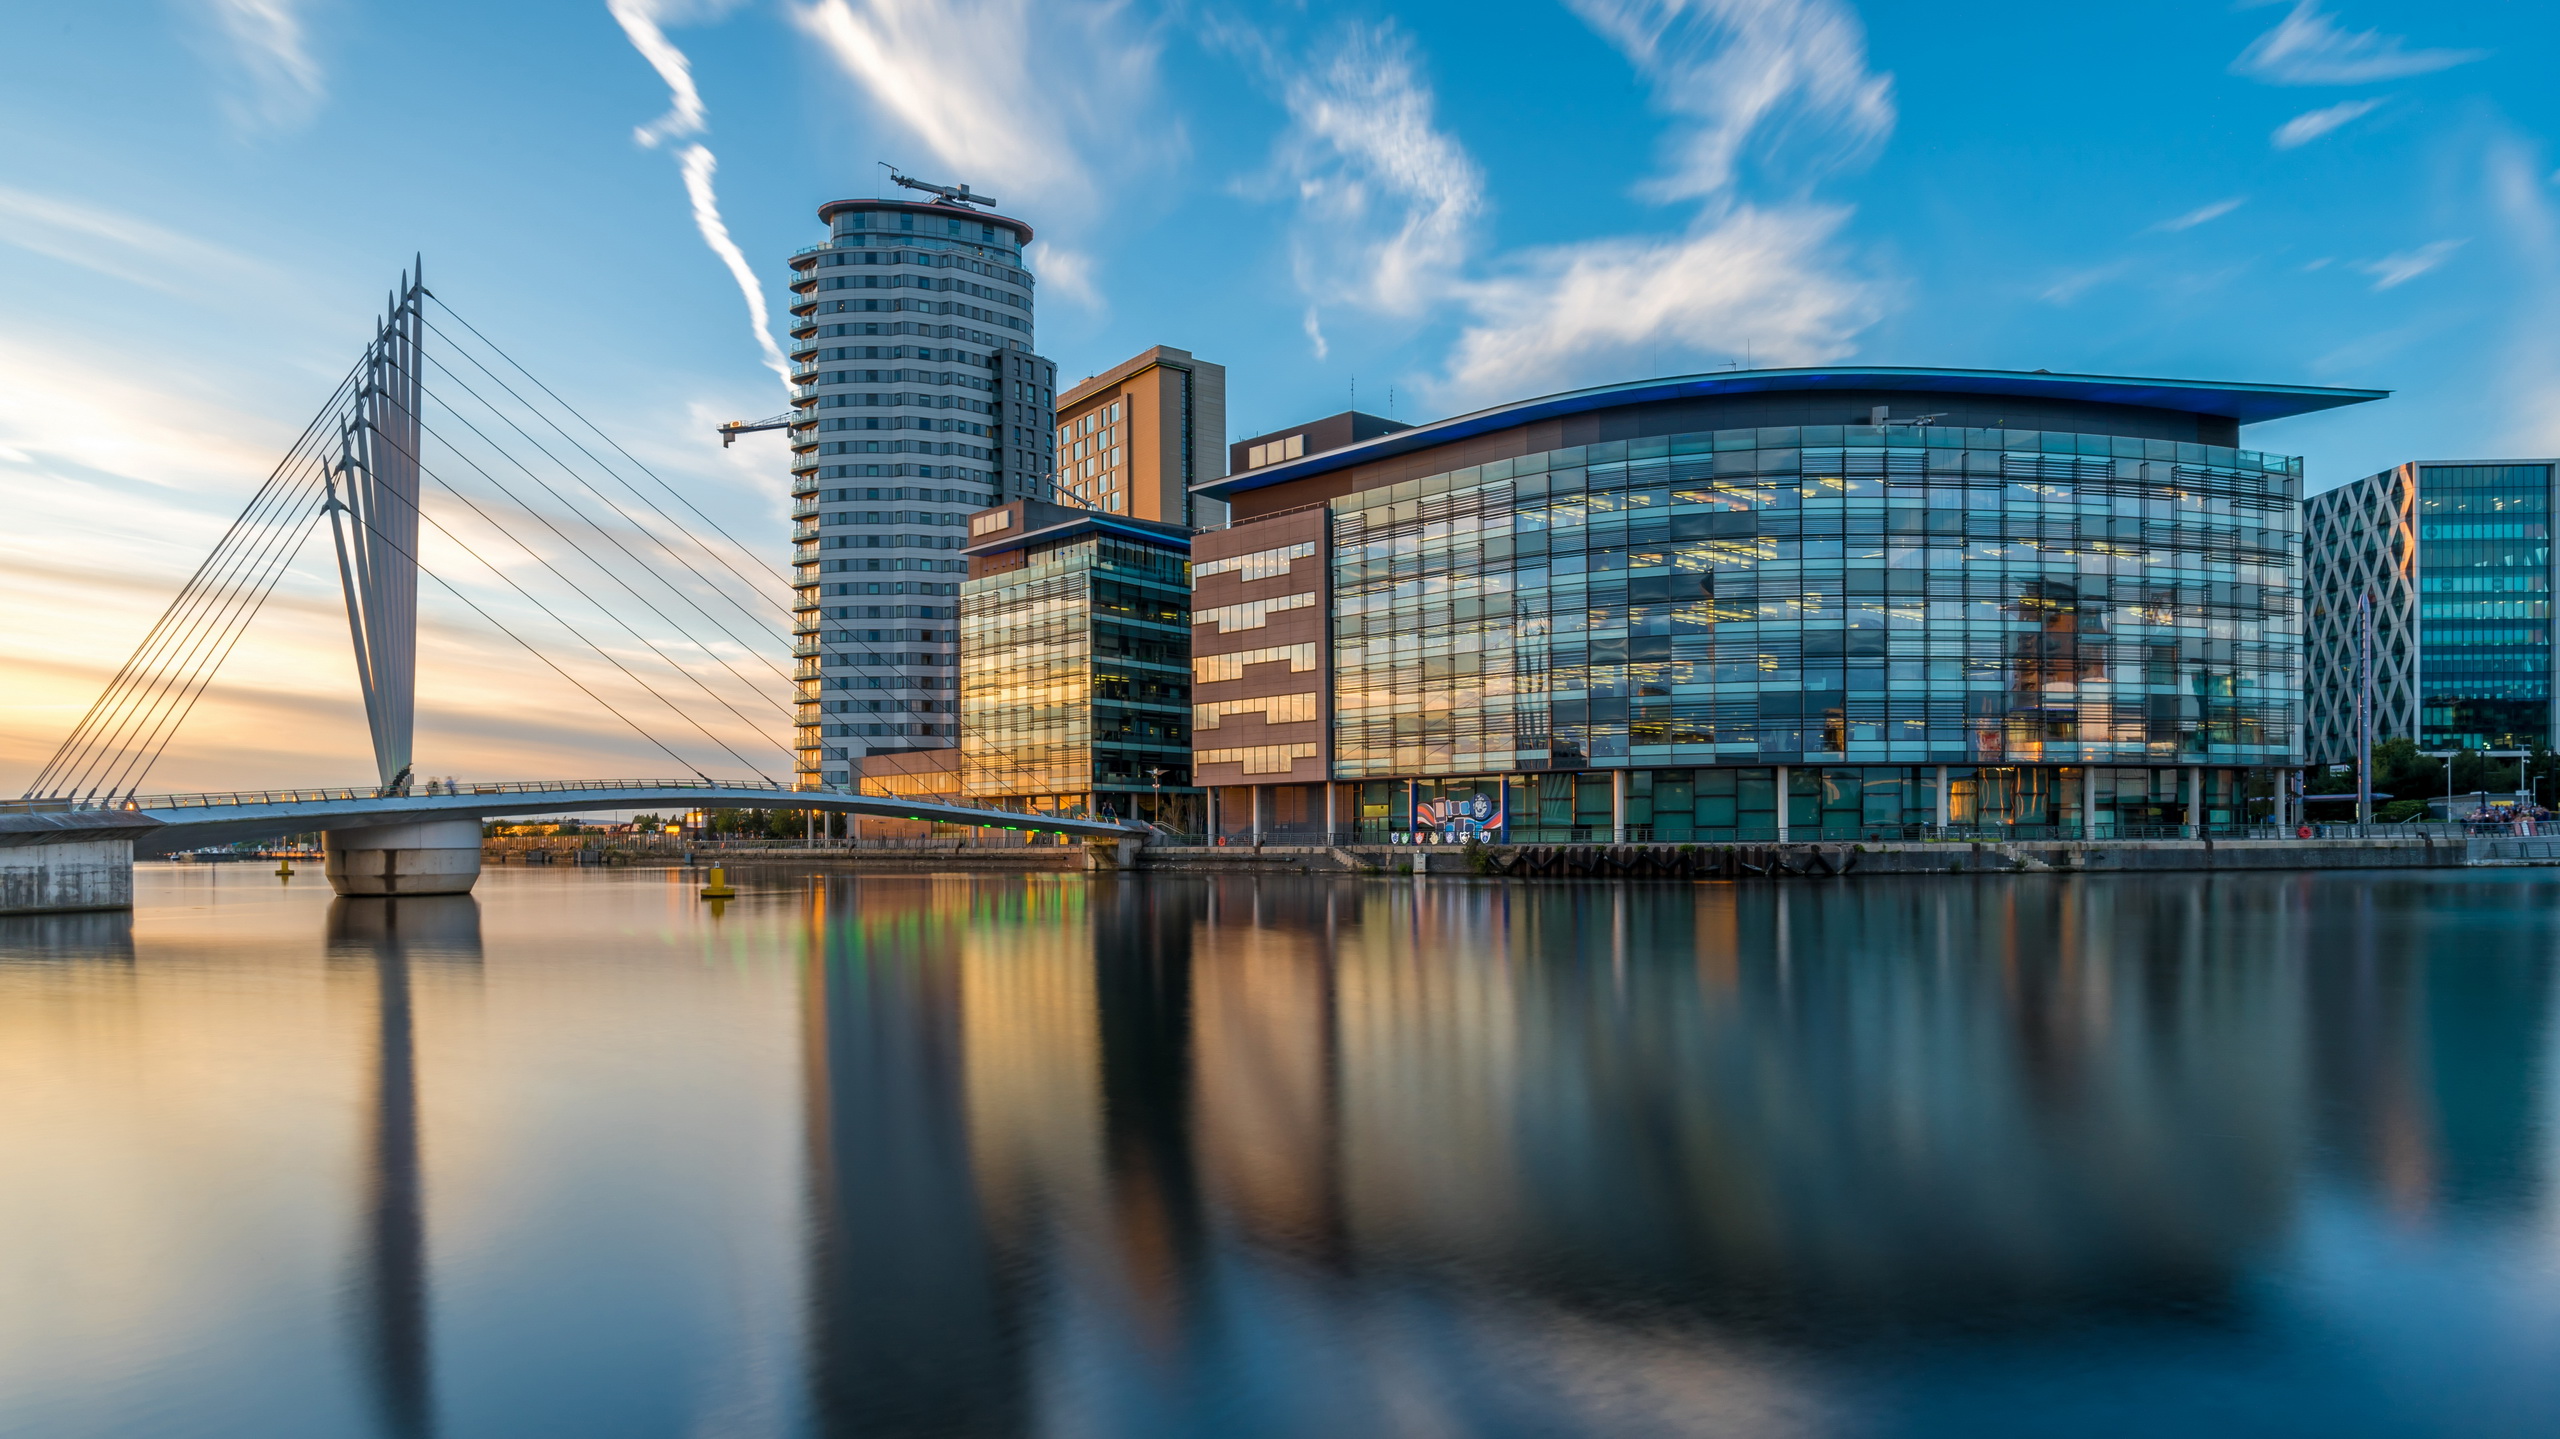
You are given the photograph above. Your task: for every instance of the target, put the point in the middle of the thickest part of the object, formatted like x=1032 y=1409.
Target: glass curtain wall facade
x=1075 y=683
x=2453 y=563
x=2484 y=606
x=2063 y=632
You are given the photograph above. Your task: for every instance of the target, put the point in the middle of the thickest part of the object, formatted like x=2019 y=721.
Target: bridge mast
x=379 y=571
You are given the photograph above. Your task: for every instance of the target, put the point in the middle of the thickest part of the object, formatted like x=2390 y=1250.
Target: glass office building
x=1075 y=665
x=2452 y=561
x=1806 y=604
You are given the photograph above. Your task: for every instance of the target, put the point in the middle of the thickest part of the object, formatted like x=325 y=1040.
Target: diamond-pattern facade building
x=2455 y=560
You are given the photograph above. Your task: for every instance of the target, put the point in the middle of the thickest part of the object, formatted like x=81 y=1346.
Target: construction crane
x=960 y=196
x=730 y=431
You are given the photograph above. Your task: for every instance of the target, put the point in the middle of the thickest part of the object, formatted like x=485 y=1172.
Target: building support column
x=2195 y=801
x=1782 y=804
x=1617 y=806
x=1209 y=814
x=1261 y=806
x=1946 y=802
x=2088 y=801
x=1332 y=832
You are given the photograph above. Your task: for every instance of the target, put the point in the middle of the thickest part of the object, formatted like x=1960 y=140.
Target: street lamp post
x=2447 y=756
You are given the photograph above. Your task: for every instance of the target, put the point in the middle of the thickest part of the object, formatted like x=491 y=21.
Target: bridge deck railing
x=782 y=796
x=227 y=798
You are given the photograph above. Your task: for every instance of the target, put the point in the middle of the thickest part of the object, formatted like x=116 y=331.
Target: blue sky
x=203 y=201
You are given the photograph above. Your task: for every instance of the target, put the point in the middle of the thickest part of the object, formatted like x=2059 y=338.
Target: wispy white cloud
x=277 y=85
x=2392 y=271
x=110 y=242
x=2203 y=214
x=2529 y=225
x=1782 y=84
x=1038 y=104
x=1757 y=281
x=2308 y=48
x=1734 y=69
x=1391 y=207
x=2310 y=125
x=2080 y=282
x=643 y=23
x=640 y=22
x=1387 y=202
x=1064 y=272
x=699 y=166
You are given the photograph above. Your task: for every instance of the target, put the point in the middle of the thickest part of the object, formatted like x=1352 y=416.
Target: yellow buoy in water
x=718 y=888
x=284 y=866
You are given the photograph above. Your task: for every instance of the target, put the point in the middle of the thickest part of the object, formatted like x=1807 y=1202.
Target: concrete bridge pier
x=432 y=856
x=54 y=861
x=55 y=878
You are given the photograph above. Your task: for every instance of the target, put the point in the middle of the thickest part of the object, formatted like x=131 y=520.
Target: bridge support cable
x=616 y=445
x=865 y=659
x=397 y=445
x=761 y=587
x=360 y=465
x=537 y=557
x=601 y=652
x=608 y=569
x=124 y=728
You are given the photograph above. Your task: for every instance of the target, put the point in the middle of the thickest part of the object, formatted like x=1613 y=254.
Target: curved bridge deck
x=168 y=823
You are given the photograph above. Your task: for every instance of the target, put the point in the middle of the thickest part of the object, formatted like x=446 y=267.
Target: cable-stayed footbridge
x=608 y=581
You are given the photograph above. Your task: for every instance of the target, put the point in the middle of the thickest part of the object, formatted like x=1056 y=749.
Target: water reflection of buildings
x=909 y=1303
x=2432 y=1052
x=393 y=1312
x=1186 y=1139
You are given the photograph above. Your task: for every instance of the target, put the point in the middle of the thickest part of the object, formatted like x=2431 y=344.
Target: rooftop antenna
x=950 y=195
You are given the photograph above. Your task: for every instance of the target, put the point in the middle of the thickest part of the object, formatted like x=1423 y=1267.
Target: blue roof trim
x=1162 y=536
x=2247 y=404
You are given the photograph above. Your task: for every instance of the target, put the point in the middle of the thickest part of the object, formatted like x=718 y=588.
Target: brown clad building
x=1261 y=674
x=1135 y=438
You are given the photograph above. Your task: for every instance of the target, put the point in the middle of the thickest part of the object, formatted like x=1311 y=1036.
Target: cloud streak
x=687 y=117
x=699 y=165
x=2203 y=215
x=2308 y=48
x=1734 y=69
x=685 y=113
x=2310 y=125
x=1386 y=201
x=1782 y=84
x=1760 y=282
x=280 y=84
x=1009 y=95
x=2392 y=271
x=110 y=243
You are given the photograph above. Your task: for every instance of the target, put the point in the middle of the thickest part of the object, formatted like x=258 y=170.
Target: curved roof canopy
x=2243 y=403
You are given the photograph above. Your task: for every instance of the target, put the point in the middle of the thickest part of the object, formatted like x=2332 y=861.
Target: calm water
x=1057 y=1156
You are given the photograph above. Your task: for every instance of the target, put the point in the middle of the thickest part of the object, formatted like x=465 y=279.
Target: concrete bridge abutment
x=61 y=878
x=433 y=856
